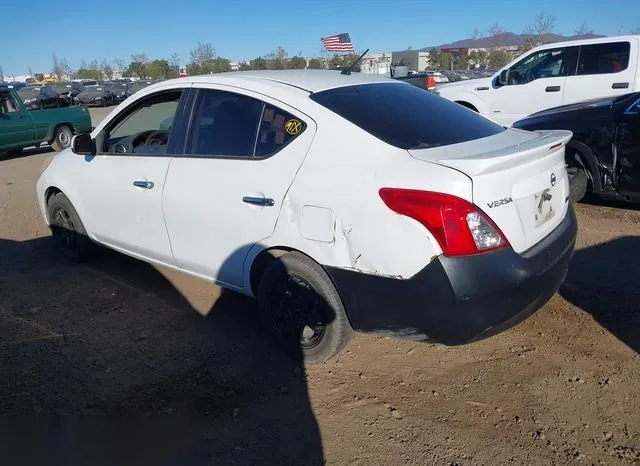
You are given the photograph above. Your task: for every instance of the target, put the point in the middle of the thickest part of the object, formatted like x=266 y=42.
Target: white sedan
x=341 y=202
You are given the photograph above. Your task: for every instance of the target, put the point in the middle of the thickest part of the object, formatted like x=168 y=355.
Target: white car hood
x=469 y=84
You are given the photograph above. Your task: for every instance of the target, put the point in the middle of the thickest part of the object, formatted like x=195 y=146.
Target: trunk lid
x=519 y=180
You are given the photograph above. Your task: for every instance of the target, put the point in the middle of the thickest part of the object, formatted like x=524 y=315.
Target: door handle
x=143 y=184
x=620 y=86
x=261 y=201
x=552 y=89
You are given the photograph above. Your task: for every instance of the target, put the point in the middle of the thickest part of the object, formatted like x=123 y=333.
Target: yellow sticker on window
x=293 y=126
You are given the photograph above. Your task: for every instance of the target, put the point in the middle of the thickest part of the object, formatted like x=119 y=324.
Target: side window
x=277 y=129
x=145 y=127
x=603 y=58
x=543 y=64
x=7 y=104
x=223 y=124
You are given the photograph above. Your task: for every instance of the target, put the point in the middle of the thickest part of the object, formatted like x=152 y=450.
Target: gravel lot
x=119 y=362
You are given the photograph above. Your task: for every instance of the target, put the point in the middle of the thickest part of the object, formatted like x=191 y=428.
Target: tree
x=157 y=69
x=498 y=58
x=65 y=67
x=202 y=56
x=445 y=61
x=315 y=64
x=297 y=63
x=475 y=35
x=244 y=66
x=106 y=69
x=174 y=59
x=538 y=32
x=57 y=70
x=259 y=64
x=138 y=65
x=343 y=61
x=119 y=64
x=462 y=63
x=478 y=58
x=434 y=58
x=136 y=69
x=1 y=74
x=583 y=30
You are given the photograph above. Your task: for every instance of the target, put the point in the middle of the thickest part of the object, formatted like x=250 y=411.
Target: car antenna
x=350 y=68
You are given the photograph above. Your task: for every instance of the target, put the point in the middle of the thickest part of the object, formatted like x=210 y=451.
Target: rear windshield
x=406 y=116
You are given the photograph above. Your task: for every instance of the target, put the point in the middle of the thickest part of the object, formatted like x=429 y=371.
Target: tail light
x=430 y=83
x=460 y=227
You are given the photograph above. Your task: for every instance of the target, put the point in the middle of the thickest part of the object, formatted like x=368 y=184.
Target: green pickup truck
x=20 y=128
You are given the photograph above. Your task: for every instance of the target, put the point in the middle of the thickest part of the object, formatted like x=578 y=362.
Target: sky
x=246 y=29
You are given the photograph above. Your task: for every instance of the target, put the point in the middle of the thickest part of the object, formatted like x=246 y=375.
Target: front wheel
x=62 y=138
x=68 y=231
x=578 y=178
x=301 y=308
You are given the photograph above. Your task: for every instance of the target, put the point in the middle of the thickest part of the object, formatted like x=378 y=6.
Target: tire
x=578 y=183
x=68 y=231
x=578 y=178
x=62 y=138
x=302 y=310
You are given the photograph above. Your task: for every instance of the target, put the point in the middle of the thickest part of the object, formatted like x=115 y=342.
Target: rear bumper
x=458 y=300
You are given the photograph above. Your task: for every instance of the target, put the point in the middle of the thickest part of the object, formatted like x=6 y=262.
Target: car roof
x=308 y=80
x=598 y=40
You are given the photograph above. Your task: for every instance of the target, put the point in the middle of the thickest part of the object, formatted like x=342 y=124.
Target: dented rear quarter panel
x=343 y=172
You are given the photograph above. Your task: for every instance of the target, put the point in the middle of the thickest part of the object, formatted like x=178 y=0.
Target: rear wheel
x=68 y=231
x=62 y=138
x=301 y=308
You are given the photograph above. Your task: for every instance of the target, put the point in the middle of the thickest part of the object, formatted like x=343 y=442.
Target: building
x=376 y=63
x=415 y=60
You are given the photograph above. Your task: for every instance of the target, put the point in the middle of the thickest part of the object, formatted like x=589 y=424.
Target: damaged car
x=603 y=157
x=346 y=205
x=68 y=91
x=119 y=89
x=36 y=97
x=96 y=96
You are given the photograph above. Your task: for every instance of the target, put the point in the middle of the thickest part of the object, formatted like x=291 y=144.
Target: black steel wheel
x=301 y=308
x=67 y=229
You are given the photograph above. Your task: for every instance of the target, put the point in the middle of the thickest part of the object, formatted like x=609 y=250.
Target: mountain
x=508 y=38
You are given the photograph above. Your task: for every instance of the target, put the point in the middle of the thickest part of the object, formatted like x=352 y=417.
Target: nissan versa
x=337 y=200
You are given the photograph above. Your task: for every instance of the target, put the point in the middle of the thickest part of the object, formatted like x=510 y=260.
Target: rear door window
x=405 y=116
x=604 y=58
x=223 y=124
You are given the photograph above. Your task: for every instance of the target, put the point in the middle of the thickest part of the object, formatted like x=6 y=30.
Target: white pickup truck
x=552 y=75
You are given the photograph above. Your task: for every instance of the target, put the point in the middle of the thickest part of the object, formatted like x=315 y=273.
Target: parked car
x=20 y=128
x=139 y=85
x=604 y=154
x=37 y=96
x=119 y=89
x=16 y=86
x=89 y=83
x=96 y=96
x=350 y=207
x=68 y=91
x=552 y=75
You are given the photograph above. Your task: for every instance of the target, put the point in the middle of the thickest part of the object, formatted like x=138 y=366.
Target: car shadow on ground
x=603 y=280
x=615 y=203
x=28 y=152
x=108 y=363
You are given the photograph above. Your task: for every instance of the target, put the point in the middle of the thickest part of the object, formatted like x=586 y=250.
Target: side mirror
x=83 y=144
x=503 y=79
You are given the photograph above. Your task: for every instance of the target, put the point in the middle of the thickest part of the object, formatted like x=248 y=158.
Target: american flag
x=337 y=43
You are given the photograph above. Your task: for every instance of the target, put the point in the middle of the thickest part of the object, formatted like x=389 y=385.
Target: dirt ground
x=119 y=362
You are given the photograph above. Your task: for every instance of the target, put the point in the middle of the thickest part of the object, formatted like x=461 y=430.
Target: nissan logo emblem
x=553 y=179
